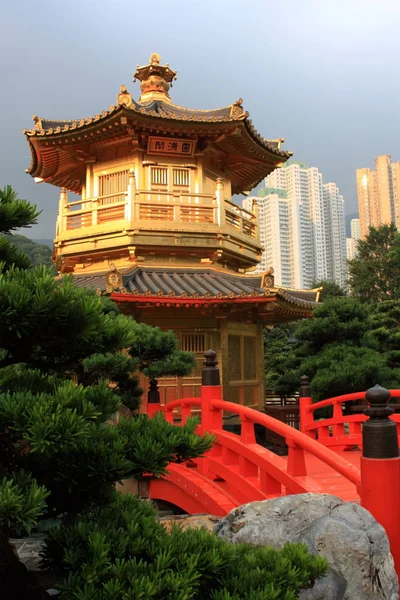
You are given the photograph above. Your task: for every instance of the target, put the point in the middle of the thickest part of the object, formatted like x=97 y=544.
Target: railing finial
x=210 y=372
x=379 y=433
x=304 y=388
x=153 y=395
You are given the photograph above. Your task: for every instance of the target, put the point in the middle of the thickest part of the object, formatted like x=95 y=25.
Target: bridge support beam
x=380 y=468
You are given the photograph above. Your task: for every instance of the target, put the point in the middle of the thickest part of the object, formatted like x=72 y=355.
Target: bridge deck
x=331 y=481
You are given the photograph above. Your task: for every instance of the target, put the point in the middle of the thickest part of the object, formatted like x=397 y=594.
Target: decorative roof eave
x=301 y=308
x=272 y=146
x=188 y=115
x=236 y=115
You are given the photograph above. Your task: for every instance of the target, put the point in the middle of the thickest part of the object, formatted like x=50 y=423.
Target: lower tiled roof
x=195 y=283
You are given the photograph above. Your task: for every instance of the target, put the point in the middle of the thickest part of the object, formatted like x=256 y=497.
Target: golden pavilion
x=155 y=226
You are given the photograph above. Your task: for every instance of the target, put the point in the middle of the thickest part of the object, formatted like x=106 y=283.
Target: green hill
x=39 y=254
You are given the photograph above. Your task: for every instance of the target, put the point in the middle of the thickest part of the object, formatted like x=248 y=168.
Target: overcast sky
x=323 y=74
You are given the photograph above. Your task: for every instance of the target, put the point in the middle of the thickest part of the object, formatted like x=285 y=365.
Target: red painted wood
x=381 y=494
x=324 y=457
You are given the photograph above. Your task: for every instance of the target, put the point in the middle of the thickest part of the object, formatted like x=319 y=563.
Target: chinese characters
x=170 y=146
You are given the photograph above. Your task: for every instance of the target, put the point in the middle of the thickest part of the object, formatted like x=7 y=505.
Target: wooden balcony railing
x=181 y=207
x=145 y=207
x=241 y=219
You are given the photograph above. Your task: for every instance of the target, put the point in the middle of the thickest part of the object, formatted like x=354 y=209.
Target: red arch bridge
x=337 y=455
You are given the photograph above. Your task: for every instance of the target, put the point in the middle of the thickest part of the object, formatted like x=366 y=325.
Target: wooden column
x=219 y=193
x=130 y=205
x=62 y=211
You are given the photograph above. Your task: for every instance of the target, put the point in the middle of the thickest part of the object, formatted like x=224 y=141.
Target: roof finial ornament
x=156 y=79
x=155 y=59
x=124 y=98
x=237 y=111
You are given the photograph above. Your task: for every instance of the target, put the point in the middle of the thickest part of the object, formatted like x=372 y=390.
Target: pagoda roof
x=163 y=285
x=60 y=148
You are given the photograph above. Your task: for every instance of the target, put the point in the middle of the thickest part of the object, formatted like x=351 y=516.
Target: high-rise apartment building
x=351 y=242
x=355 y=229
x=378 y=194
x=302 y=227
x=274 y=215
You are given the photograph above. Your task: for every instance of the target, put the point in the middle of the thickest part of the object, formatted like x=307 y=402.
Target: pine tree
x=374 y=274
x=346 y=347
x=14 y=214
x=68 y=360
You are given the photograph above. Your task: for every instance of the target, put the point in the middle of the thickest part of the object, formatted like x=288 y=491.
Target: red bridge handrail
x=332 y=459
x=345 y=398
x=237 y=470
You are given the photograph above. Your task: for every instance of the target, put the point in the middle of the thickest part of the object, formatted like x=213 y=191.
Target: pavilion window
x=159 y=176
x=193 y=342
x=113 y=183
x=181 y=178
x=242 y=352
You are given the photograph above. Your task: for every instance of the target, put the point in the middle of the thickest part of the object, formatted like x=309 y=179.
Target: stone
x=354 y=544
x=200 y=521
x=28 y=551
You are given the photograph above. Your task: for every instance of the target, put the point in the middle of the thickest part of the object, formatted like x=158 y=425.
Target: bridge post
x=210 y=390
x=153 y=398
x=211 y=419
x=305 y=400
x=380 y=467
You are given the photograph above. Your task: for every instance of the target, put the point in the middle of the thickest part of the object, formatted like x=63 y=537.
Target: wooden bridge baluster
x=229 y=457
x=247 y=435
x=185 y=414
x=338 y=428
x=269 y=485
x=296 y=464
x=247 y=467
x=169 y=417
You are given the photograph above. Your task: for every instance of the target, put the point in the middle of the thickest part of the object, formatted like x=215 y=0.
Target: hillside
x=39 y=254
x=45 y=242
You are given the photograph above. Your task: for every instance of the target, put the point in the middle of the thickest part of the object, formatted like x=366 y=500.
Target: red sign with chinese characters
x=171 y=146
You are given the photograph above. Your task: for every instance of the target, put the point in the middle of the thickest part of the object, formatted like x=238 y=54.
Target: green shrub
x=120 y=552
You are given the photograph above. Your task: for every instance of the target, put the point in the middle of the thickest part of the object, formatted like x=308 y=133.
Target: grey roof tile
x=208 y=283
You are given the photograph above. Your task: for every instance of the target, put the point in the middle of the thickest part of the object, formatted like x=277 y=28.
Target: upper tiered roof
x=60 y=149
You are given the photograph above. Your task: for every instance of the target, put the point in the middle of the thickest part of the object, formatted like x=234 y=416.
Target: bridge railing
x=248 y=469
x=250 y=472
x=339 y=430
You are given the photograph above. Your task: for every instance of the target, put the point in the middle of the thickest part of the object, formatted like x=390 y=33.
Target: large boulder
x=354 y=544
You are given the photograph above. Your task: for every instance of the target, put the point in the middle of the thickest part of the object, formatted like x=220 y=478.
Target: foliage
x=352 y=342
x=374 y=274
x=341 y=350
x=122 y=552
x=68 y=360
x=74 y=454
x=14 y=213
x=280 y=347
x=84 y=336
x=330 y=289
